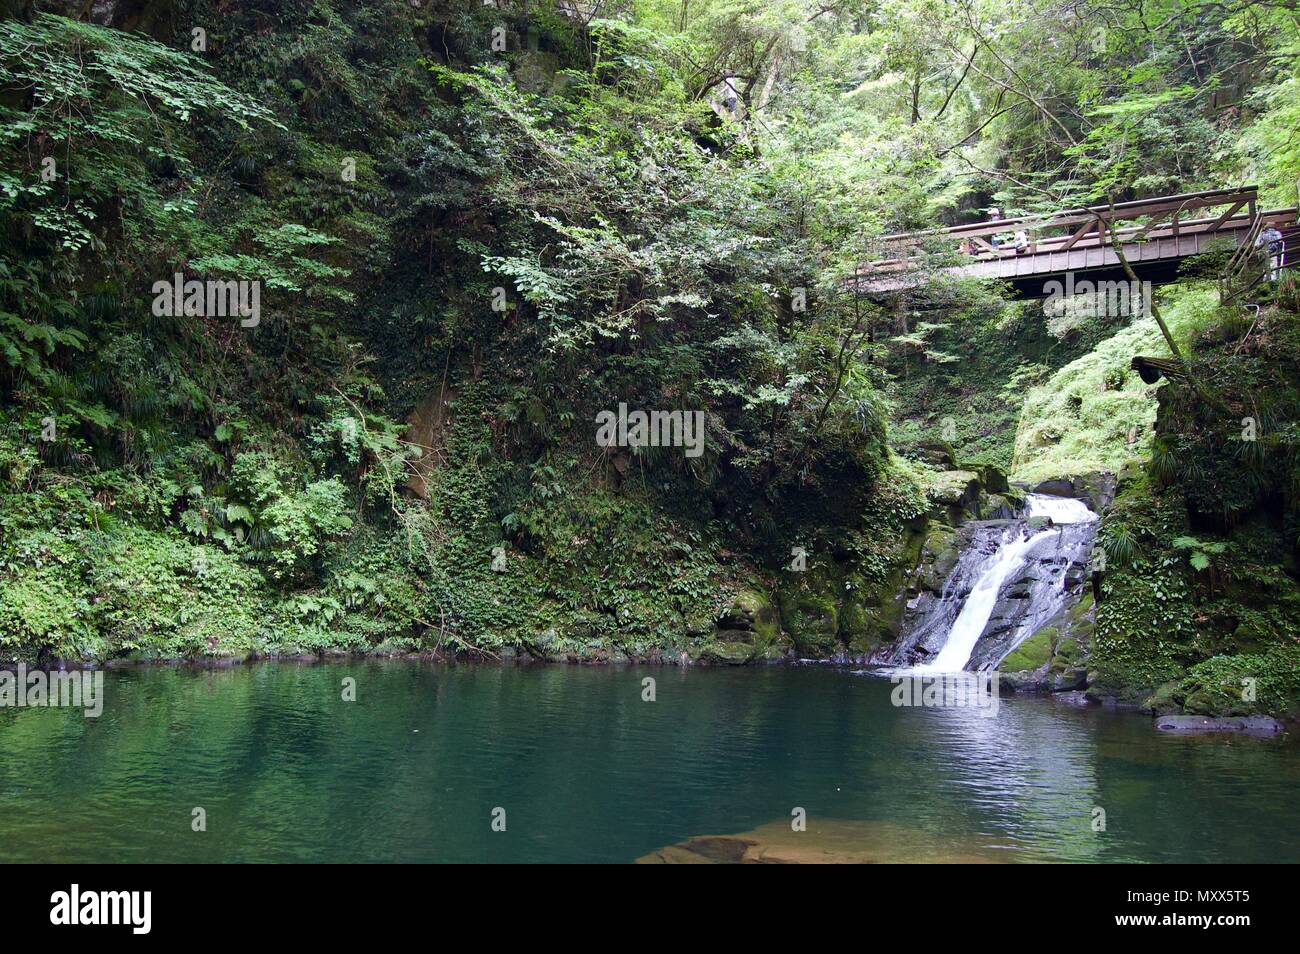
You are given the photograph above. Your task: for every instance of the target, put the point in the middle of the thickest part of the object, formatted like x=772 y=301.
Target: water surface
x=587 y=771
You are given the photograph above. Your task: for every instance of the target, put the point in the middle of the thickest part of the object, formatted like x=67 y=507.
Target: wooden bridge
x=583 y=10
x=1156 y=235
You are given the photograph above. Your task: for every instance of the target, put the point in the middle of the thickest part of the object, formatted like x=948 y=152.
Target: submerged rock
x=828 y=841
x=1191 y=725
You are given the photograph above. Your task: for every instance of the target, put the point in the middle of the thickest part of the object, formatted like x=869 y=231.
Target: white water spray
x=1005 y=561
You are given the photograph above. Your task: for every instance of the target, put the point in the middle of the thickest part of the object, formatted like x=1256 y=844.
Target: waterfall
x=1015 y=566
x=1060 y=509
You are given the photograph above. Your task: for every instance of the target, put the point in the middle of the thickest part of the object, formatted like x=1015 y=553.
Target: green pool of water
x=285 y=770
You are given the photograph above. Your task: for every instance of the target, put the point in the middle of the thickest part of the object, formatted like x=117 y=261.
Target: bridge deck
x=1080 y=244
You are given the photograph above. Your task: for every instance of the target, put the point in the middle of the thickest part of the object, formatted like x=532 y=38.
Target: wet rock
x=1059 y=487
x=727 y=653
x=1021 y=590
x=1026 y=681
x=999 y=506
x=1045 y=585
x=939 y=554
x=1075 y=698
x=1075 y=677
x=1097 y=490
x=1194 y=724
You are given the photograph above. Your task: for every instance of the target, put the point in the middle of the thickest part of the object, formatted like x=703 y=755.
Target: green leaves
x=68 y=62
x=31 y=335
x=105 y=107
x=1200 y=554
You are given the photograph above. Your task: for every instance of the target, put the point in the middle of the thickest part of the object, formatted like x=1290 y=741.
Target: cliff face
x=456 y=277
x=1200 y=604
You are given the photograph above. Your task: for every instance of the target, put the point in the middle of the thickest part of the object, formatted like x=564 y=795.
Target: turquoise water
x=586 y=771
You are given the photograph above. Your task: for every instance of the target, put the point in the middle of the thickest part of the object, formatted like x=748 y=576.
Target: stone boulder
x=812 y=619
x=749 y=629
x=954 y=488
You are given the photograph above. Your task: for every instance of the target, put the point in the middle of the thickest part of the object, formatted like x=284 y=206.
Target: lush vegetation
x=476 y=226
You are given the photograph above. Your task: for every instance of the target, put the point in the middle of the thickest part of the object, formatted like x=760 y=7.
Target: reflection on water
x=1031 y=769
x=587 y=771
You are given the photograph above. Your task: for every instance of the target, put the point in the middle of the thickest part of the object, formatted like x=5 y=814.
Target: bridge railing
x=1087 y=227
x=1251 y=263
x=584 y=10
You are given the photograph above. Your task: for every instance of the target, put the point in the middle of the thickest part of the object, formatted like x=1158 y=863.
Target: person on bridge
x=995 y=215
x=1271 y=238
x=1021 y=242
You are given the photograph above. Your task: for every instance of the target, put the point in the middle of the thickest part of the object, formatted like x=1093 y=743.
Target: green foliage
x=1223 y=685
x=1199 y=553
x=211 y=489
x=1117 y=543
x=292 y=524
x=1194 y=614
x=1095 y=414
x=107 y=108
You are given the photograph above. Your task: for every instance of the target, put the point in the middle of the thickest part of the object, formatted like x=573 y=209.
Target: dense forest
x=476 y=226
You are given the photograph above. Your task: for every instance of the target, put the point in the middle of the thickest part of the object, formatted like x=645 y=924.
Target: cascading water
x=1009 y=581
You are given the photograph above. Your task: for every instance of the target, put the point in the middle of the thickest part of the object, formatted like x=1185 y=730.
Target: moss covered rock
x=812 y=620
x=953 y=488
x=1033 y=653
x=1066 y=653
x=728 y=653
x=939 y=553
x=752 y=612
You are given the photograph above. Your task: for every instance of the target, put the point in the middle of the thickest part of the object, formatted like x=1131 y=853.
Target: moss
x=812 y=621
x=762 y=615
x=938 y=554
x=993 y=479
x=730 y=654
x=953 y=488
x=1083 y=419
x=1033 y=653
x=1243 y=684
x=855 y=622
x=1066 y=654
x=1174 y=639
